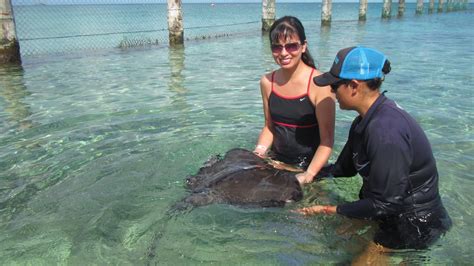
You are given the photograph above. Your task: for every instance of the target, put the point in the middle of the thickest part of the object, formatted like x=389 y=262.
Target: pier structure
x=401 y=8
x=362 y=10
x=440 y=6
x=175 y=22
x=419 y=7
x=268 y=14
x=10 y=43
x=450 y=5
x=9 y=46
x=431 y=6
x=326 y=10
x=387 y=9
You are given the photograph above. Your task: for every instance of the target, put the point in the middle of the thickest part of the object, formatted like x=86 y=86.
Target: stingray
x=238 y=178
x=241 y=178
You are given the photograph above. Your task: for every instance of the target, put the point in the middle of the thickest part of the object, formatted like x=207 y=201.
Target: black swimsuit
x=295 y=127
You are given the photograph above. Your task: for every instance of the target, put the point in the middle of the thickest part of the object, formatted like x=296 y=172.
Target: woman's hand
x=317 y=209
x=283 y=166
x=261 y=151
x=305 y=177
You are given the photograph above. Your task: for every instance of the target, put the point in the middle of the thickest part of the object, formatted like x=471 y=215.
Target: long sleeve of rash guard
x=390 y=155
x=343 y=166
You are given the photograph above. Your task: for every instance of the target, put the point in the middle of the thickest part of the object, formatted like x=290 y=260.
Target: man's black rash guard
x=391 y=152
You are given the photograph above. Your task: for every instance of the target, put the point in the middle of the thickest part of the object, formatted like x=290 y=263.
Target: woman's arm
x=265 y=138
x=325 y=114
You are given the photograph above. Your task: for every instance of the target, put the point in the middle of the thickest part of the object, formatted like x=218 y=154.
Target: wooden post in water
x=9 y=46
x=431 y=7
x=401 y=8
x=387 y=9
x=449 y=8
x=268 y=14
x=440 y=6
x=419 y=7
x=326 y=7
x=175 y=22
x=362 y=10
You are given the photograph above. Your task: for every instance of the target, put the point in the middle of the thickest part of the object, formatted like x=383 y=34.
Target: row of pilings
x=451 y=5
x=10 y=49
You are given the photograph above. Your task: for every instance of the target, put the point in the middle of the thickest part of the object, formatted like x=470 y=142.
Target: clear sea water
x=94 y=147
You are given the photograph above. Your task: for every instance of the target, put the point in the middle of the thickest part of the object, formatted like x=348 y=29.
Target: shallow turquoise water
x=94 y=148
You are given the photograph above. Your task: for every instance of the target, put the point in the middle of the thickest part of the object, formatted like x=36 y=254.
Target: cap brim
x=325 y=79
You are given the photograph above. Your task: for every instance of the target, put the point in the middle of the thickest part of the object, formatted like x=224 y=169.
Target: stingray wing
x=218 y=168
x=242 y=178
x=263 y=187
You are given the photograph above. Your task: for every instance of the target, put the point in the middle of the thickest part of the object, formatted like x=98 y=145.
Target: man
x=390 y=151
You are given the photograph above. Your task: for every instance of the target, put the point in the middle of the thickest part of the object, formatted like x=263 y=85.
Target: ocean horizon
x=128 y=2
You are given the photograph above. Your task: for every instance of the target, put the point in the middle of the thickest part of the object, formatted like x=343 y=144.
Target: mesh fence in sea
x=65 y=26
x=74 y=26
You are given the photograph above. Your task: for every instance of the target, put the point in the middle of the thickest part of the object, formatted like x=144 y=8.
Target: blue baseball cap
x=358 y=62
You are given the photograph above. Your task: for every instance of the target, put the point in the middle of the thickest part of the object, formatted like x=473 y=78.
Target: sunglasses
x=291 y=47
x=336 y=85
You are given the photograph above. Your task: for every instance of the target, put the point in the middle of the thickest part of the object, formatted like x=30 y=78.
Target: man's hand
x=317 y=209
x=305 y=177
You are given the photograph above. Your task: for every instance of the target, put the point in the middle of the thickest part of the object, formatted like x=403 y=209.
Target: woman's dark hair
x=286 y=27
x=376 y=83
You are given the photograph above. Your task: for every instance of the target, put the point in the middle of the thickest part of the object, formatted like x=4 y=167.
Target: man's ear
x=353 y=85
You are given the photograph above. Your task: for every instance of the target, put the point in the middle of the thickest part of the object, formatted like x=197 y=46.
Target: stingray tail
x=204 y=197
x=180 y=208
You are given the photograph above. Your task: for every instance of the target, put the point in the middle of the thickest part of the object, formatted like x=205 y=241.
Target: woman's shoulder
x=266 y=83
x=268 y=75
x=266 y=78
x=316 y=73
x=318 y=92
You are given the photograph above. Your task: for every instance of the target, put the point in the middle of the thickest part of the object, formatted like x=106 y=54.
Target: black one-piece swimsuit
x=295 y=127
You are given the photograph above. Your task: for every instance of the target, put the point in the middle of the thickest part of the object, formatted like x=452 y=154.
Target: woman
x=299 y=116
x=390 y=151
